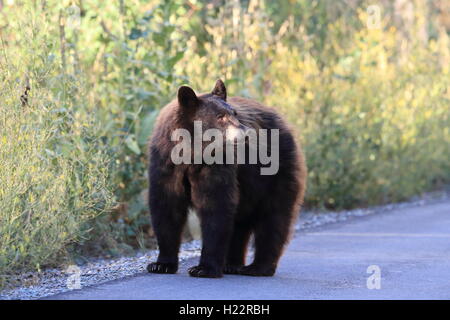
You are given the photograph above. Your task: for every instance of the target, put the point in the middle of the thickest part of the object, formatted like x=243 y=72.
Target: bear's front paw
x=204 y=272
x=257 y=270
x=160 y=267
x=232 y=269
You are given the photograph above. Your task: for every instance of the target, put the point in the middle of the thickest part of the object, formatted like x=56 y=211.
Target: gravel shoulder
x=54 y=281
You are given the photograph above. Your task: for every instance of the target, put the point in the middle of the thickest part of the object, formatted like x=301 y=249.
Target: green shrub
x=54 y=168
x=128 y=59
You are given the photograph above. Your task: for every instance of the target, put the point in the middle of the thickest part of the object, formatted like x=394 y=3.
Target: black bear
x=233 y=199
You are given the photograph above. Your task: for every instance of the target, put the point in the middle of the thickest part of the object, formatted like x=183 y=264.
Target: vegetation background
x=364 y=83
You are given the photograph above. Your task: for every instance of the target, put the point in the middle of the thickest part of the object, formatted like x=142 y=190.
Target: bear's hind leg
x=271 y=235
x=237 y=248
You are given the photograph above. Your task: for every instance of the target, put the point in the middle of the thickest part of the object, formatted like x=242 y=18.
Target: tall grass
x=54 y=168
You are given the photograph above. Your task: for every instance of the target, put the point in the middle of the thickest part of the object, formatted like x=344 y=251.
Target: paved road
x=411 y=247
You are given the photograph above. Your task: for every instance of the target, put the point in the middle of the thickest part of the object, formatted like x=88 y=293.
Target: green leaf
x=137 y=33
x=131 y=143
x=160 y=38
x=147 y=127
x=173 y=60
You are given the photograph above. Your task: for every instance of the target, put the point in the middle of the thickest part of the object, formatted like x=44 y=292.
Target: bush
x=54 y=168
x=97 y=76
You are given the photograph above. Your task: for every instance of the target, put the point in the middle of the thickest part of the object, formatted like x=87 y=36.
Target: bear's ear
x=187 y=97
x=220 y=90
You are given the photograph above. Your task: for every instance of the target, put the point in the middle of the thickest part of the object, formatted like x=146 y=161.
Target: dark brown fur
x=232 y=201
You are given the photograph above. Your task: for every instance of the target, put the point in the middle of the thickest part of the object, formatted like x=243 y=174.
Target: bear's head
x=211 y=109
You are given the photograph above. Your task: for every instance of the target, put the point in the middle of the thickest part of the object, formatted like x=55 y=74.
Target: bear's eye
x=234 y=113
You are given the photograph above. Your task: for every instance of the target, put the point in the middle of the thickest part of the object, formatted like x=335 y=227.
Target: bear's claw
x=160 y=267
x=204 y=272
x=232 y=269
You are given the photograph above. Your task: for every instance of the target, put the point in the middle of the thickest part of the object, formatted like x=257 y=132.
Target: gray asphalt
x=411 y=247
